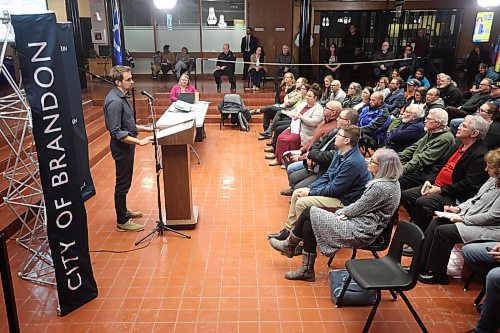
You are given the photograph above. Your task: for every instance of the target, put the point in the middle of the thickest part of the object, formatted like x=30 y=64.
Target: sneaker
x=407 y=251
x=434 y=279
x=269 y=144
x=269 y=150
x=266 y=133
x=133 y=215
x=257 y=111
x=270 y=157
x=129 y=226
x=262 y=137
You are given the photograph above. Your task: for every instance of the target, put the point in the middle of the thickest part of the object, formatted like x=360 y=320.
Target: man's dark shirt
x=119 y=116
x=221 y=60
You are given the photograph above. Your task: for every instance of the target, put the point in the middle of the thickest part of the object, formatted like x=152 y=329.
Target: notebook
x=186 y=97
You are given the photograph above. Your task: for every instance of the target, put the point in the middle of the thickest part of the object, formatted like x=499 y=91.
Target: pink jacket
x=177 y=89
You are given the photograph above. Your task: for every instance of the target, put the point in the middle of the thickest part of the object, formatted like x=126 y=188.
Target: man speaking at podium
x=121 y=125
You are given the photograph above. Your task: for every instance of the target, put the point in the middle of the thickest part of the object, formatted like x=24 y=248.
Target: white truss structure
x=25 y=195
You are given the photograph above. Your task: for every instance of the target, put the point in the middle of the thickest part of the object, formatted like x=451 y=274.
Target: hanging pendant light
x=488 y=3
x=222 y=23
x=165 y=4
x=211 y=19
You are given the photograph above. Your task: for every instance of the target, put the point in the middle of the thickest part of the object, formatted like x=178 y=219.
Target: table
x=198 y=113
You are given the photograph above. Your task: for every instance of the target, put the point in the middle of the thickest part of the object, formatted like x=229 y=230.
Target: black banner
x=74 y=97
x=46 y=89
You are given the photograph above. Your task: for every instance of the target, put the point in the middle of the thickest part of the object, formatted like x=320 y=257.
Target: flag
x=117 y=43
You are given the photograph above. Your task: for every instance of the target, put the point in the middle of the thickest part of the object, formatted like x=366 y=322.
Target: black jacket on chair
x=468 y=175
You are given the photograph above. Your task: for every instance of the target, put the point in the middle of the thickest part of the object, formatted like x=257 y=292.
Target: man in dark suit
x=459 y=178
x=248 y=46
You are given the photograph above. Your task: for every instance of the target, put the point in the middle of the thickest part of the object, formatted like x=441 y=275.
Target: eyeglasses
x=372 y=161
x=338 y=134
x=342 y=118
x=430 y=119
x=483 y=111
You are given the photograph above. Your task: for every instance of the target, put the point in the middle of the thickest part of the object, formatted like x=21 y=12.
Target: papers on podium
x=175 y=128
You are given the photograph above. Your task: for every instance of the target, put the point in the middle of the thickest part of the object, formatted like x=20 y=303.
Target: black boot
x=287 y=246
x=218 y=87
x=306 y=271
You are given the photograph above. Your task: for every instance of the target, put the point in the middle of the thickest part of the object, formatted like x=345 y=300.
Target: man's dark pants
x=123 y=154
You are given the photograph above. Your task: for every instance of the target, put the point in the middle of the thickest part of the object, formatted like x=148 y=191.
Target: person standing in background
x=248 y=47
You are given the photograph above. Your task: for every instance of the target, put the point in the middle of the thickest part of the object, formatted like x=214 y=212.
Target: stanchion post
x=8 y=290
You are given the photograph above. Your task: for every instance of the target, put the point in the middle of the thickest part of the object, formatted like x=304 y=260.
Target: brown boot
x=306 y=271
x=286 y=247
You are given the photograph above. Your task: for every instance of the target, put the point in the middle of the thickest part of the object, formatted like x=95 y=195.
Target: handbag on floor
x=355 y=295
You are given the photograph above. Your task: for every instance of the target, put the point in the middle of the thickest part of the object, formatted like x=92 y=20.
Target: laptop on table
x=186 y=97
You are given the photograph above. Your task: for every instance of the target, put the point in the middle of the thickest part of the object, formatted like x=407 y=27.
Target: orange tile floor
x=226 y=278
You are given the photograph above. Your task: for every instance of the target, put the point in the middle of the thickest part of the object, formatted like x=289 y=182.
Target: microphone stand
x=160 y=225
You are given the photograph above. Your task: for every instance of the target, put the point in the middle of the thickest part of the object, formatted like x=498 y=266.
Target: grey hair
x=417 y=110
x=441 y=116
x=477 y=123
x=445 y=76
x=357 y=87
x=389 y=164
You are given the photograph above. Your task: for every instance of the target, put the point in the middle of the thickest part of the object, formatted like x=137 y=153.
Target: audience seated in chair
x=282 y=118
x=314 y=158
x=183 y=86
x=407 y=66
x=342 y=184
x=422 y=80
x=385 y=61
x=409 y=130
x=181 y=62
x=448 y=90
x=256 y=70
x=225 y=66
x=286 y=98
x=484 y=73
x=489 y=112
x=325 y=97
x=336 y=92
x=353 y=96
x=286 y=58
x=478 y=219
x=487 y=265
x=470 y=106
x=456 y=178
x=372 y=118
x=365 y=98
x=409 y=95
x=419 y=158
x=394 y=101
x=156 y=65
x=382 y=86
x=307 y=117
x=167 y=61
x=356 y=225
x=433 y=101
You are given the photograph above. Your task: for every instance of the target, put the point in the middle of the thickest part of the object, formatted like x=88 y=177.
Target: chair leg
x=467 y=284
x=195 y=153
x=479 y=296
x=344 y=290
x=329 y=262
x=413 y=312
x=375 y=255
x=354 y=253
x=394 y=295
x=372 y=313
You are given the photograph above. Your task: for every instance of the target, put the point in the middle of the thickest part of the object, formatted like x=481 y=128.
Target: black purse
x=355 y=295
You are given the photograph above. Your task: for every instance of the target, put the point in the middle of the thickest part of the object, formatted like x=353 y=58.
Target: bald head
x=376 y=99
x=332 y=110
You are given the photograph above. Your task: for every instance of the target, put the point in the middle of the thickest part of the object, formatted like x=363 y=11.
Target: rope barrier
x=317 y=64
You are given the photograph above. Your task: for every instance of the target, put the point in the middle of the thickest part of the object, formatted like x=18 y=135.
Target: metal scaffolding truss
x=24 y=195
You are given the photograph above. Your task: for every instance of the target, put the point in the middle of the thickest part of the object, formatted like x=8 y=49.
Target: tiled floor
x=226 y=278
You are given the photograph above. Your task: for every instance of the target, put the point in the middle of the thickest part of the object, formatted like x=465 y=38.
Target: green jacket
x=420 y=156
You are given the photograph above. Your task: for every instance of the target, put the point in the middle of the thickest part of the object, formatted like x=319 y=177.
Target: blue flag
x=117 y=43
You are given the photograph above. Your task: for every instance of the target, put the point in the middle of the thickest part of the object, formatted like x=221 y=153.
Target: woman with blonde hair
x=477 y=219
x=182 y=86
x=354 y=226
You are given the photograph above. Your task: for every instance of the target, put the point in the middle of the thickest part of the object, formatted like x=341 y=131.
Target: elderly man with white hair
x=419 y=158
x=336 y=92
x=458 y=176
x=449 y=91
x=410 y=130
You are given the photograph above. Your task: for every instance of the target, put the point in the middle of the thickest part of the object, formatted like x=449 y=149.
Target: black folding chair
x=387 y=273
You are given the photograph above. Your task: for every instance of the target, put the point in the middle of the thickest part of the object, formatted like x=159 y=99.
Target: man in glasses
x=458 y=176
x=419 y=158
x=489 y=112
x=471 y=105
x=342 y=184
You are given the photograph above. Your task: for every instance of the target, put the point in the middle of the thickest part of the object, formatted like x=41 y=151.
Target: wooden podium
x=175 y=144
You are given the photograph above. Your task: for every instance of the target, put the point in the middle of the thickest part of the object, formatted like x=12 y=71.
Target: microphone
x=148 y=95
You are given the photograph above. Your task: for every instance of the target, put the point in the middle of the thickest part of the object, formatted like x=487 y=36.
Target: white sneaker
x=129 y=226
